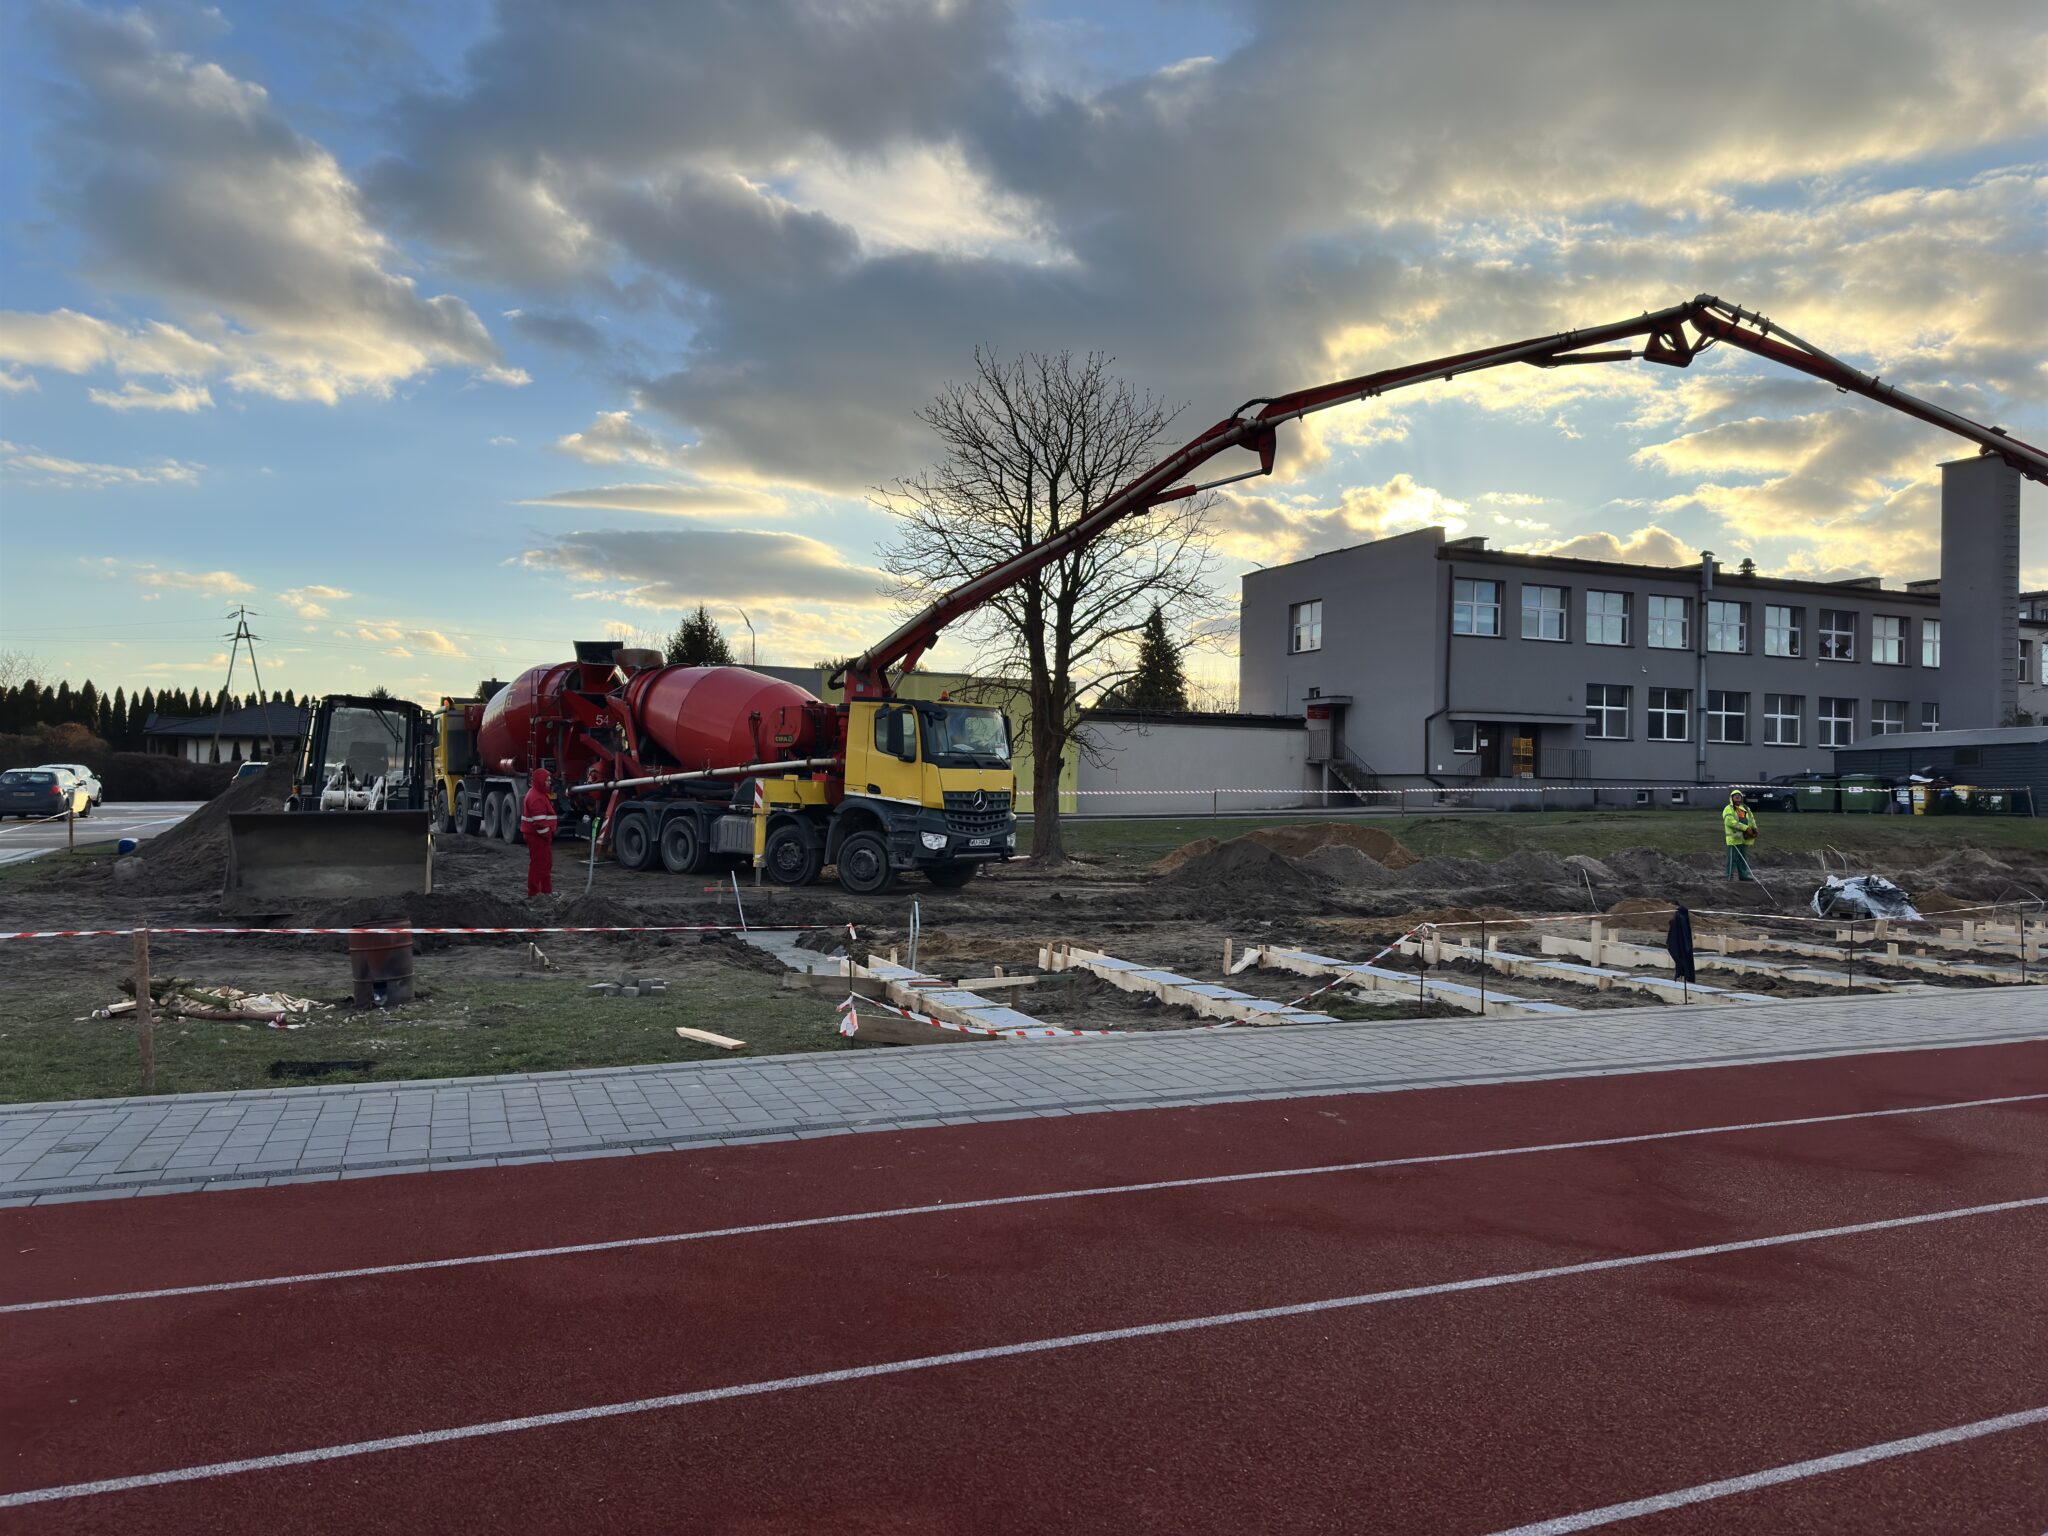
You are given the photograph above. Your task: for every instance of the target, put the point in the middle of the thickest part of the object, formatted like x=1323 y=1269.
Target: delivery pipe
x=740 y=772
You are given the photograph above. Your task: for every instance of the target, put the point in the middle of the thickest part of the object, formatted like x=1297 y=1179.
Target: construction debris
x=1863 y=896
x=705 y=1037
x=178 y=998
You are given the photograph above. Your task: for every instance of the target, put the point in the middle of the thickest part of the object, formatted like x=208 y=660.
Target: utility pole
x=242 y=636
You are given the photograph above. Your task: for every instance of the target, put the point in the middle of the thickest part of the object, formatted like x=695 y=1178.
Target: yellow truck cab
x=928 y=787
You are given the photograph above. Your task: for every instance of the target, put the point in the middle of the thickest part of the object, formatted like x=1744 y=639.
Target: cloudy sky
x=442 y=333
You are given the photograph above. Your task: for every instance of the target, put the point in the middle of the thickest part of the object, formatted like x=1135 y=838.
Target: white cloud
x=712 y=501
x=33 y=467
x=310 y=602
x=13 y=383
x=192 y=190
x=211 y=583
x=136 y=397
x=616 y=438
x=1273 y=532
x=671 y=568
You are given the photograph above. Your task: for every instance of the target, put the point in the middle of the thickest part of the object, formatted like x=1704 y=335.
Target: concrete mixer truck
x=679 y=765
x=685 y=768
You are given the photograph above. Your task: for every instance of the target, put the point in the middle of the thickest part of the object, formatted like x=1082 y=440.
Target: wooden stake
x=145 y=1016
x=1599 y=939
x=1227 y=957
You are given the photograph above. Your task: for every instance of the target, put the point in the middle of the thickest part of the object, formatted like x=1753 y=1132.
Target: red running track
x=1466 y=1410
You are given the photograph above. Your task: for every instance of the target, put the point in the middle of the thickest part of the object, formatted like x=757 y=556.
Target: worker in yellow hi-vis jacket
x=1738 y=830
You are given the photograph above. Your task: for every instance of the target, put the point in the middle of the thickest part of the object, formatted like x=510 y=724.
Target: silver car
x=77 y=776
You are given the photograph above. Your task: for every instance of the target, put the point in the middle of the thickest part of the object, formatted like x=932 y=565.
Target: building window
x=1782 y=713
x=1887 y=640
x=1781 y=630
x=1670 y=708
x=1837 y=634
x=1667 y=624
x=1727 y=626
x=1727 y=717
x=1887 y=717
x=1837 y=722
x=2043 y=649
x=1607 y=618
x=1930 y=642
x=1305 y=626
x=1465 y=737
x=1542 y=613
x=2024 y=659
x=1606 y=712
x=1930 y=717
x=1475 y=607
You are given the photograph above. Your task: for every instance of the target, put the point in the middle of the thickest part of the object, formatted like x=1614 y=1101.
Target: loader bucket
x=281 y=861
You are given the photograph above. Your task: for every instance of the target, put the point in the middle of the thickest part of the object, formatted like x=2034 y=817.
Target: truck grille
x=977 y=813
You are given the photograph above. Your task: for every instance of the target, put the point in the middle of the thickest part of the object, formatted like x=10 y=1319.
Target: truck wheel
x=443 y=818
x=469 y=820
x=682 y=849
x=864 y=863
x=488 y=823
x=791 y=859
x=508 y=817
x=633 y=842
x=950 y=877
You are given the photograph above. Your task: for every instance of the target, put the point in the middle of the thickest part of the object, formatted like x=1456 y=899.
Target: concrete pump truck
x=678 y=766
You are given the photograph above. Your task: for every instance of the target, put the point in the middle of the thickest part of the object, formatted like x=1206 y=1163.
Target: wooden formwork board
x=1567 y=973
x=1373 y=978
x=1607 y=951
x=931 y=996
x=1205 y=998
x=1894 y=953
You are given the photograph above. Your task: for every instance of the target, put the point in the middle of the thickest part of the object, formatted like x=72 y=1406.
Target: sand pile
x=1342 y=864
x=1298 y=841
x=193 y=855
x=1640 y=906
x=1244 y=865
x=1185 y=852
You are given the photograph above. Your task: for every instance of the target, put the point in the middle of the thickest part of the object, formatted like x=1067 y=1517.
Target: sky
x=441 y=335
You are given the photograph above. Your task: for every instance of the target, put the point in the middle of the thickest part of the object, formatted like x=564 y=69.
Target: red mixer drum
x=504 y=738
x=725 y=717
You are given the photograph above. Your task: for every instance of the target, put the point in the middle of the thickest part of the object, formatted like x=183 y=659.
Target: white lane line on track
x=430 y=1437
x=664 y=1239
x=1793 y=1472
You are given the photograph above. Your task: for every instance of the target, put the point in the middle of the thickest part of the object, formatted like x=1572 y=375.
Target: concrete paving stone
x=72 y=1197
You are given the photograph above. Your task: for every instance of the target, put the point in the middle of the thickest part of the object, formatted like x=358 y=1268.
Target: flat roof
x=1923 y=741
x=1689 y=575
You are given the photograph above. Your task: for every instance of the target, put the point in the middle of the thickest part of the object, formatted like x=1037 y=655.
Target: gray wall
x=1382 y=643
x=1190 y=755
x=1980 y=563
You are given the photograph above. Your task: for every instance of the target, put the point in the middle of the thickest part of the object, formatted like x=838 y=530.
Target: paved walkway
x=110 y=1148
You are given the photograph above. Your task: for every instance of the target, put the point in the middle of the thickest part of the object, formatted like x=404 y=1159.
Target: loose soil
x=1343 y=888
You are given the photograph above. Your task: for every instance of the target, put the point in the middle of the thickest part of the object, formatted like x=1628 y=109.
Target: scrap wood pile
x=175 y=997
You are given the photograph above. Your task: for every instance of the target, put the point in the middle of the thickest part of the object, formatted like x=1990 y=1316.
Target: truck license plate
x=977 y=842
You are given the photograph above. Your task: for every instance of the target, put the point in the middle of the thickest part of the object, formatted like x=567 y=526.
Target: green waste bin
x=1865 y=793
x=1816 y=795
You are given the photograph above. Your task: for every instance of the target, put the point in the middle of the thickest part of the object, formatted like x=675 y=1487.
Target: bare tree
x=1029 y=446
x=17 y=667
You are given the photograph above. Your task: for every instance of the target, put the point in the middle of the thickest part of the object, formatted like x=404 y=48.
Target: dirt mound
x=193 y=855
x=1532 y=868
x=1460 y=923
x=1647 y=867
x=1300 y=840
x=1246 y=866
x=1185 y=852
x=1640 y=906
x=1932 y=899
x=1448 y=872
x=442 y=909
x=1345 y=865
x=1594 y=869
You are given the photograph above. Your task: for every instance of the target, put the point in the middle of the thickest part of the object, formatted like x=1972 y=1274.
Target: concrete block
x=628 y=991
x=604 y=988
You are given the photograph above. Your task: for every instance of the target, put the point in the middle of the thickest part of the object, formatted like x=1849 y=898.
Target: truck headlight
x=935 y=841
x=1010 y=841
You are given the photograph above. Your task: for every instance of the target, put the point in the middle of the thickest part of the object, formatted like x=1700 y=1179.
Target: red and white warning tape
x=119 y=933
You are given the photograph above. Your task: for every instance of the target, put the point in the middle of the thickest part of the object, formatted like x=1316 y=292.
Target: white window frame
x=1467 y=730
x=1784 y=630
x=1830 y=636
x=1657 y=717
x=1930 y=716
x=1930 y=643
x=1829 y=726
x=1607 y=617
x=1474 y=605
x=1884 y=724
x=1790 y=710
x=1552 y=607
x=1305 y=626
x=1887 y=644
x=1722 y=616
x=2041 y=667
x=1660 y=620
x=1719 y=720
x=1605 y=709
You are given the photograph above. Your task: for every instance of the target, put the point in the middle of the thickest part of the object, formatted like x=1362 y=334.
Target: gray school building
x=1425 y=660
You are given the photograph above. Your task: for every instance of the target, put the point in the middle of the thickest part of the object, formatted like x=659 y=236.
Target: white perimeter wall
x=1271 y=761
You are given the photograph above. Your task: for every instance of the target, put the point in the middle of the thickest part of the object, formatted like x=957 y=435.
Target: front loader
x=356 y=823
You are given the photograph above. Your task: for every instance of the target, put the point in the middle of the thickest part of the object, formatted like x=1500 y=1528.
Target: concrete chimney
x=1980 y=590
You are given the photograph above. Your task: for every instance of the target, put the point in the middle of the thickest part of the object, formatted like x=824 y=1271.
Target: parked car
x=81 y=776
x=27 y=792
x=1782 y=792
x=249 y=770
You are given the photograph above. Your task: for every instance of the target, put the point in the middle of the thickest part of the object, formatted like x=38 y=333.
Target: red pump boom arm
x=1255 y=423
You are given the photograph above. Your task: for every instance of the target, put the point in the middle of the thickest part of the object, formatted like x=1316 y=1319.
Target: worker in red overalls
x=537 y=826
